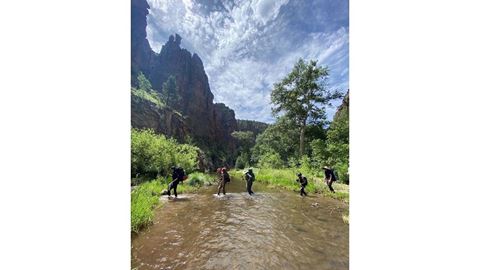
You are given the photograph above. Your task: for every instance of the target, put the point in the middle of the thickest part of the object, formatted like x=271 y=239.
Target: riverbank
x=285 y=178
x=145 y=197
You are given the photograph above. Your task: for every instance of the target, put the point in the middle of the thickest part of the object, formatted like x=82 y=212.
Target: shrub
x=242 y=161
x=270 y=160
x=152 y=155
x=199 y=179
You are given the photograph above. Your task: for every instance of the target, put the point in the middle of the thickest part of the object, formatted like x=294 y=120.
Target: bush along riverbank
x=145 y=197
x=286 y=178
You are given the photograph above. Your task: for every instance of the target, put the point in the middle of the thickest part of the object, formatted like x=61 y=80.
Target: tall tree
x=170 y=91
x=302 y=96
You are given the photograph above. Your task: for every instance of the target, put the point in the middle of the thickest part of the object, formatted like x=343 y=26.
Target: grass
x=150 y=96
x=146 y=197
x=285 y=178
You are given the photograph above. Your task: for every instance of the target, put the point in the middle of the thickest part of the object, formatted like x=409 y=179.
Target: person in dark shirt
x=224 y=179
x=329 y=178
x=178 y=175
x=249 y=177
x=303 y=183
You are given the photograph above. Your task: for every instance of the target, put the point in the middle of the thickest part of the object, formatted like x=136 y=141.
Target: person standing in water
x=178 y=175
x=303 y=183
x=224 y=179
x=329 y=178
x=249 y=177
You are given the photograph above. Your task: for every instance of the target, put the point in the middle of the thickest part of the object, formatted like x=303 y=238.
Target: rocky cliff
x=250 y=125
x=145 y=114
x=210 y=125
x=343 y=109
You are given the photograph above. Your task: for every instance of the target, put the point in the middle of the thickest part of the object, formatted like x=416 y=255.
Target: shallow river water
x=273 y=229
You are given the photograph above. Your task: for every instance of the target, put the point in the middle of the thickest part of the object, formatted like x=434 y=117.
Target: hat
x=299 y=174
x=325 y=168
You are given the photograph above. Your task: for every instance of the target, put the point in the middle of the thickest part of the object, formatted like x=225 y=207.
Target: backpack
x=226 y=177
x=249 y=176
x=179 y=174
x=334 y=175
x=306 y=181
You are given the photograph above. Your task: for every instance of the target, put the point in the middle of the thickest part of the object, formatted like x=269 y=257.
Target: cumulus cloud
x=247 y=46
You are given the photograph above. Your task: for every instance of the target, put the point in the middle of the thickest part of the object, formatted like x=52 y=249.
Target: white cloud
x=246 y=47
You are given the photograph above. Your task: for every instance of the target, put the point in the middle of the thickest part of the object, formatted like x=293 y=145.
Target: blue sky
x=246 y=46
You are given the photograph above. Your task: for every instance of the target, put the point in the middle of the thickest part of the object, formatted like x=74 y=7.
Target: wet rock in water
x=164 y=192
x=315 y=204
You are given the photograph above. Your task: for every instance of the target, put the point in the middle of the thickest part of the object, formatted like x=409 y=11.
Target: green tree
x=271 y=160
x=245 y=140
x=243 y=161
x=170 y=91
x=302 y=97
x=337 y=142
x=143 y=82
x=279 y=137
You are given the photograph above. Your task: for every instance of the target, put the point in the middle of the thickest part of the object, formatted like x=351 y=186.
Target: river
x=273 y=229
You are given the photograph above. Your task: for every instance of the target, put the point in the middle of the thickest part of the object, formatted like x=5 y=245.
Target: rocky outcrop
x=141 y=52
x=145 y=114
x=225 y=123
x=250 y=125
x=210 y=125
x=343 y=109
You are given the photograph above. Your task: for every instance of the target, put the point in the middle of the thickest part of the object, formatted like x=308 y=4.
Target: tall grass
x=143 y=200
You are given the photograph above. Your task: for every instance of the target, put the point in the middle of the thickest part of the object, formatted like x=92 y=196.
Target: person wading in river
x=249 y=177
x=329 y=178
x=303 y=183
x=224 y=179
x=178 y=174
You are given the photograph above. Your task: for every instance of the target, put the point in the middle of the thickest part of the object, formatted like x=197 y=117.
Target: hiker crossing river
x=271 y=229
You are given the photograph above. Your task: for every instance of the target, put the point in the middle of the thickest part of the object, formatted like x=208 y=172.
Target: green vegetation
x=145 y=91
x=302 y=139
x=153 y=155
x=143 y=200
x=146 y=196
x=170 y=91
x=302 y=96
x=198 y=179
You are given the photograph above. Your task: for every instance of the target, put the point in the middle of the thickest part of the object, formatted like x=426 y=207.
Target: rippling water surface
x=273 y=229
